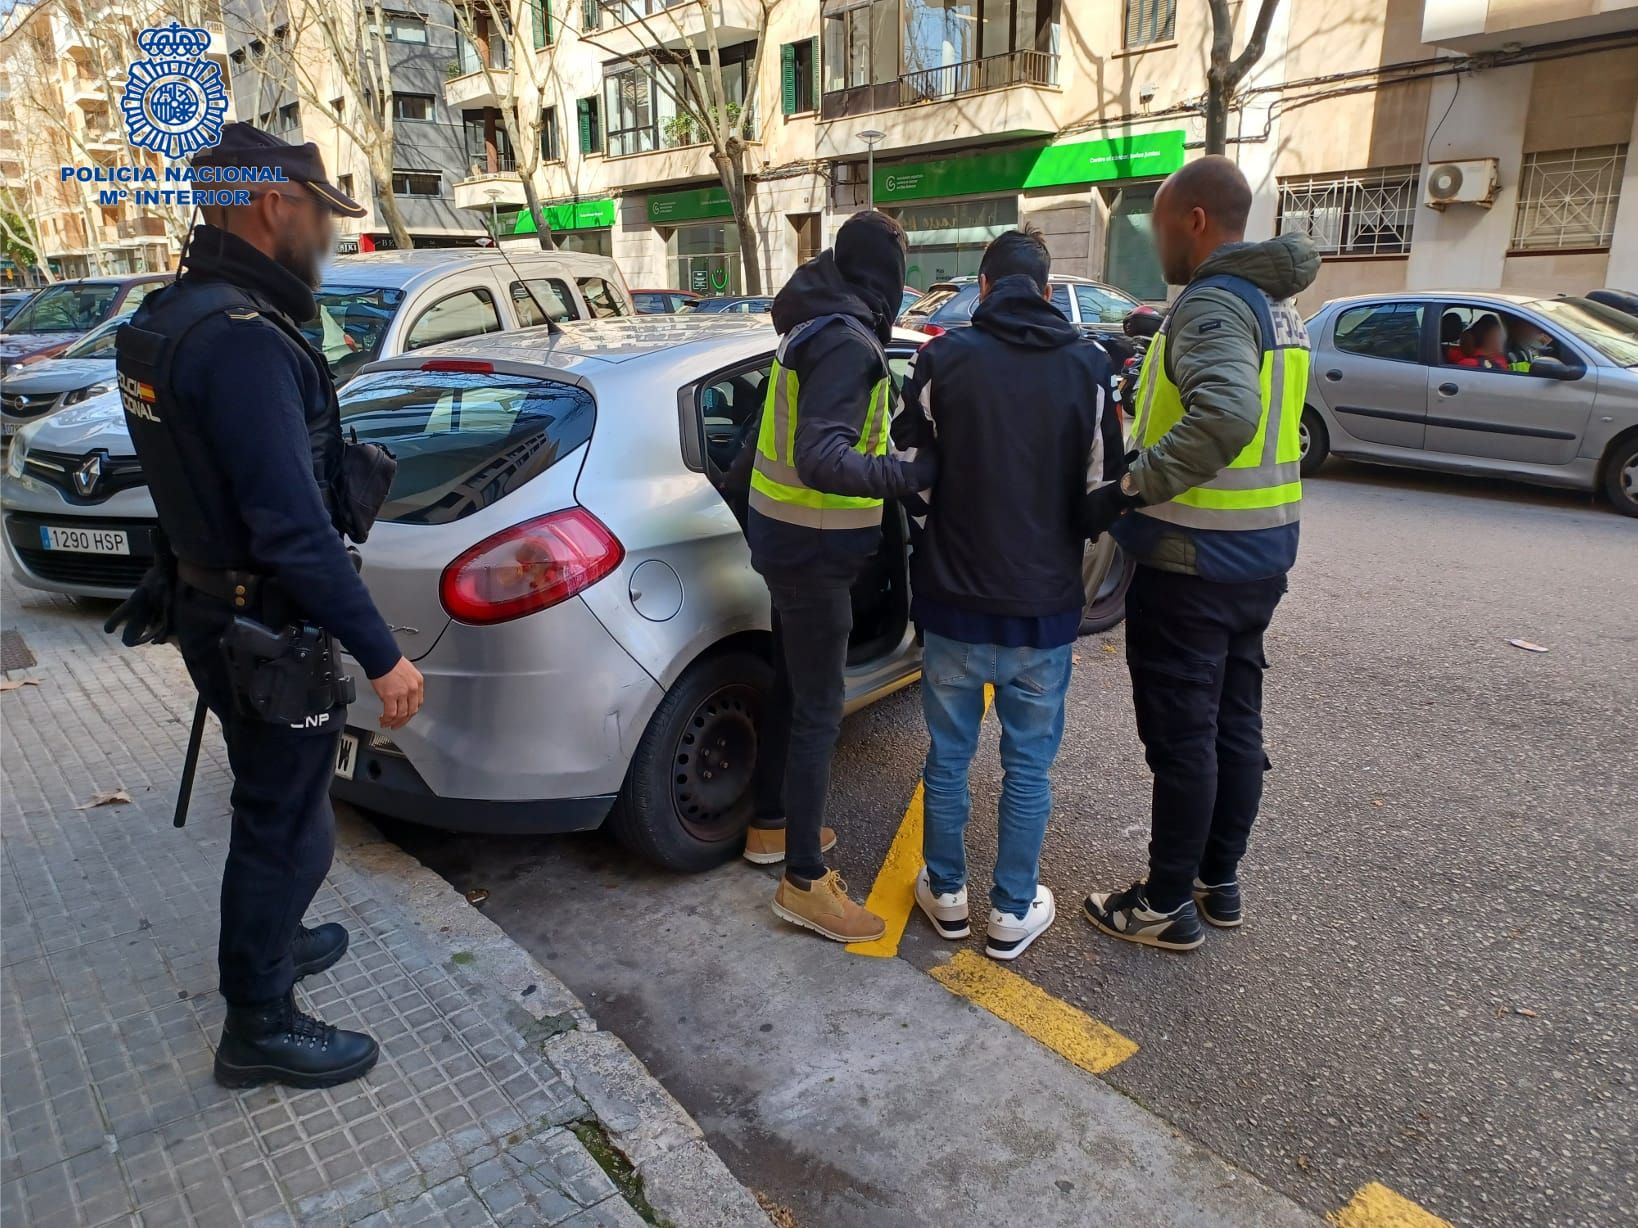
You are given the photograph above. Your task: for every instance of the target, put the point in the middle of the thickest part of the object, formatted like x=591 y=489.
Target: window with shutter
x=586 y=114
x=541 y=10
x=787 y=79
x=1150 y=21
x=798 y=85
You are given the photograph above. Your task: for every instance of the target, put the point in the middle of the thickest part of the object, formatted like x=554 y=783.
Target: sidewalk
x=497 y=1100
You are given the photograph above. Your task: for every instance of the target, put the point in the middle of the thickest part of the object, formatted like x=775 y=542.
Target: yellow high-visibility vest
x=777 y=490
x=1261 y=487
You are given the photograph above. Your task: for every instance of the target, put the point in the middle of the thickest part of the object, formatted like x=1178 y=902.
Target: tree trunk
x=1217 y=109
x=390 y=212
x=731 y=170
x=543 y=232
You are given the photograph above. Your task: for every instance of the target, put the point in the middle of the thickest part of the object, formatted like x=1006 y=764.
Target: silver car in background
x=1385 y=386
x=557 y=559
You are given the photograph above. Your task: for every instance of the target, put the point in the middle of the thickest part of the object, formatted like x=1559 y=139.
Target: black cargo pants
x=1195 y=651
x=283 y=833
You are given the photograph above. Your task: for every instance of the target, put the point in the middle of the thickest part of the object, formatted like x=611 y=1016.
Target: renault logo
x=88 y=475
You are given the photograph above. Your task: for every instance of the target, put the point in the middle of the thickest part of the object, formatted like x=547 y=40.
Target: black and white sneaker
x=947 y=912
x=1219 y=903
x=1127 y=915
x=1010 y=935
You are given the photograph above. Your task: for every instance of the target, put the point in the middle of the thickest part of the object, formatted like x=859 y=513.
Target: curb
x=685 y=1182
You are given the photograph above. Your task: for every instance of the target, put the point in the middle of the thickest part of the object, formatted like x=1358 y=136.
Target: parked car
x=663 y=302
x=909 y=299
x=737 y=304
x=85 y=369
x=59 y=315
x=1382 y=388
x=1622 y=300
x=82 y=465
x=11 y=302
x=1098 y=309
x=555 y=557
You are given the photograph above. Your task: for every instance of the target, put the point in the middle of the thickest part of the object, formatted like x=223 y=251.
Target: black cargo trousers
x=1195 y=651
x=282 y=837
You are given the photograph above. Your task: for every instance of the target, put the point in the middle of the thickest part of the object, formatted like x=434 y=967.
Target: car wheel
x=1621 y=476
x=1315 y=441
x=687 y=797
x=1106 y=571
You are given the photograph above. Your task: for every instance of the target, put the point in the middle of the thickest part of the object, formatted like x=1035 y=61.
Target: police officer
x=819 y=475
x=235 y=418
x=1209 y=509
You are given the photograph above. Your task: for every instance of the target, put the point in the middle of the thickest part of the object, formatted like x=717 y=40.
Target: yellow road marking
x=893 y=894
x=1376 y=1206
x=1072 y=1034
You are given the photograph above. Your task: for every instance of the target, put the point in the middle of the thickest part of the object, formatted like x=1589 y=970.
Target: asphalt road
x=1435 y=985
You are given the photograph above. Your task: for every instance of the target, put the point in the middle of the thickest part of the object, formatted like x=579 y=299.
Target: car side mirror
x=1552 y=368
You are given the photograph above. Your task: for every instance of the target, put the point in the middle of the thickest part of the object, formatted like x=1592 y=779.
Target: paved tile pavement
x=109 y=1015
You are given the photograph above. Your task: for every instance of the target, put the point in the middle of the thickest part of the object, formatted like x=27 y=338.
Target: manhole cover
x=14 y=653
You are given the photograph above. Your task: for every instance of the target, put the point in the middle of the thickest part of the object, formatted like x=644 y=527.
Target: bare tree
x=521 y=88
x=329 y=51
x=1226 y=70
x=700 y=89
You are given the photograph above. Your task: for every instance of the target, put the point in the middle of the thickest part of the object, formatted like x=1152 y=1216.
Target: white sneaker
x=947 y=912
x=1011 y=935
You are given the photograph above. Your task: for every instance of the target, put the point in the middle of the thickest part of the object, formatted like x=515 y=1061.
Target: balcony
x=477 y=90
x=1489 y=25
x=473 y=192
x=626 y=27
x=144 y=226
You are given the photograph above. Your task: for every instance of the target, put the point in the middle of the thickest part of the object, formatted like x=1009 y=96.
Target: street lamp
x=870 y=136
x=494 y=194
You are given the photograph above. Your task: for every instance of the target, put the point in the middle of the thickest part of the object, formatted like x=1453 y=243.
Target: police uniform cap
x=245 y=145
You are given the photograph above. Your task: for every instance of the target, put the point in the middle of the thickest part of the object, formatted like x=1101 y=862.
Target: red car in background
x=60 y=314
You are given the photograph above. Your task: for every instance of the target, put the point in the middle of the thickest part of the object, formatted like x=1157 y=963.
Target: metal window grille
x=1567 y=198
x=1150 y=21
x=1362 y=213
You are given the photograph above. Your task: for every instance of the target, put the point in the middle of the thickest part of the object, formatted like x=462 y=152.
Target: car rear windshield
x=351 y=322
x=463 y=439
x=65 y=309
x=930 y=302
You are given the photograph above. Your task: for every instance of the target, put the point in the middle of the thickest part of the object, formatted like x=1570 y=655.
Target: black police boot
x=275 y=1043
x=314 y=950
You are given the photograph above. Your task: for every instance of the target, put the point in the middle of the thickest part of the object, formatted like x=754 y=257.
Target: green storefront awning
x=1136 y=155
x=692 y=205
x=569 y=215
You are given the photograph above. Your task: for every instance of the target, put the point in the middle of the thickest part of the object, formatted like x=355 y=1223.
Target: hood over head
x=1280 y=267
x=861 y=276
x=1015 y=312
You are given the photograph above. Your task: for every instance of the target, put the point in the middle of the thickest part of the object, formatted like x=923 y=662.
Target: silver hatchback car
x=1389 y=383
x=557 y=559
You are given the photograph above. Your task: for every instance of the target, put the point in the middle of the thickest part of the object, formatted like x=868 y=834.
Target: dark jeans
x=811 y=625
x=283 y=832
x=1195 y=650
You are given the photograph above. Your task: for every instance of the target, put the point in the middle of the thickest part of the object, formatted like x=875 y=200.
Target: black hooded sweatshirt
x=1018 y=408
x=836 y=369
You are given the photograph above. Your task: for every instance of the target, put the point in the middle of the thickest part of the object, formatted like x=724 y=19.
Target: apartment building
x=62 y=74
x=287 y=79
x=965 y=117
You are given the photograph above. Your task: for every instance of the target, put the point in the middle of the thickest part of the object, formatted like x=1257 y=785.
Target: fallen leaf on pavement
x=1527 y=645
x=477 y=896
x=1110 y=649
x=1376 y=801
x=12 y=684
x=1302 y=1161
x=1525 y=1011
x=106 y=797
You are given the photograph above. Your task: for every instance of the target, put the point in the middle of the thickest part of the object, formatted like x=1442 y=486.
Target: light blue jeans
x=1029 y=698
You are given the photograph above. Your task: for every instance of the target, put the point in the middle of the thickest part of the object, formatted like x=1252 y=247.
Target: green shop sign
x=694 y=205
x=1139 y=155
x=570 y=215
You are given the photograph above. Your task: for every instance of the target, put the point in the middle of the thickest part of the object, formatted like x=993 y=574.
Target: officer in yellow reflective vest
x=820 y=473
x=1524 y=342
x=1208 y=508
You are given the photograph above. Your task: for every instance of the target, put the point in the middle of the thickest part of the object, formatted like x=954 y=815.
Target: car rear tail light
x=471 y=366
x=529 y=567
x=933 y=330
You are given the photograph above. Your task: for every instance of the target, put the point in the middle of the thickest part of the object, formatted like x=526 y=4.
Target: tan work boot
x=765 y=846
x=824 y=907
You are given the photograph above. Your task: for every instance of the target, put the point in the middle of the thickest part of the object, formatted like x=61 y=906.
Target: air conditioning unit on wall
x=1462 y=183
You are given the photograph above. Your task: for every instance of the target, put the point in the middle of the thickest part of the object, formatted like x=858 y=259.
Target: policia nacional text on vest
x=777 y=490
x=1261 y=487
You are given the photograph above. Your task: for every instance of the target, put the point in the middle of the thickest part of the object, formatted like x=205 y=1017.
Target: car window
x=1381 y=330
x=1060 y=300
x=137 y=293
x=1524 y=342
x=930 y=302
x=464 y=439
x=602 y=300
x=1102 y=306
x=98 y=343
x=550 y=293
x=727 y=408
x=465 y=314
x=653 y=304
x=351 y=323
x=70 y=308
x=957 y=307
